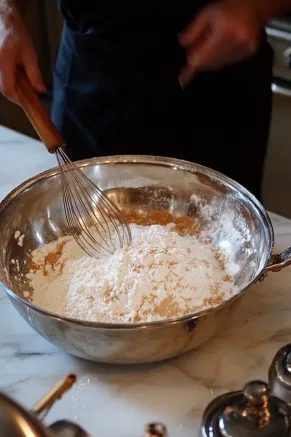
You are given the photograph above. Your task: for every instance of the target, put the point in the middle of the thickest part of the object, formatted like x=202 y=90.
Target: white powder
x=228 y=226
x=19 y=237
x=162 y=275
x=20 y=240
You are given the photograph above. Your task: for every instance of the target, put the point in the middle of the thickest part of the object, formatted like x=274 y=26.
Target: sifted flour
x=162 y=275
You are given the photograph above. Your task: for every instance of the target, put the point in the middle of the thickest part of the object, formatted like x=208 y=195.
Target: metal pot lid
x=17 y=422
x=280 y=374
x=252 y=412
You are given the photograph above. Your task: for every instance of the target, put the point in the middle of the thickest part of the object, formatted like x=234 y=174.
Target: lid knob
x=256 y=392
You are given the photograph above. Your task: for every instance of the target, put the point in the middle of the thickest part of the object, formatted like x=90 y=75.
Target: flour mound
x=162 y=275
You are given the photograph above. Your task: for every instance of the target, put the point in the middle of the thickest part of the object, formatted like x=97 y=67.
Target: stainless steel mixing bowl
x=141 y=183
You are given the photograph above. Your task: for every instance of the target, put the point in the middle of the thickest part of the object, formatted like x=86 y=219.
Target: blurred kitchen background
x=45 y=24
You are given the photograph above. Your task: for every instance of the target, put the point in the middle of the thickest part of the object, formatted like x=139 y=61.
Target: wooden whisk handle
x=37 y=114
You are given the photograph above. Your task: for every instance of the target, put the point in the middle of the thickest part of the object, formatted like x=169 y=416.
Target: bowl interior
x=242 y=228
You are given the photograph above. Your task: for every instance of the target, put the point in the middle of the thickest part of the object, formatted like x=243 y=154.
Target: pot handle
x=277 y=262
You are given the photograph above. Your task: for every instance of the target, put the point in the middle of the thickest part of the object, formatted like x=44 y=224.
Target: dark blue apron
x=116 y=91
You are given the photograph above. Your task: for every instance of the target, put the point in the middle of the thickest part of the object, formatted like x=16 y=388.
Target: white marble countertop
x=118 y=401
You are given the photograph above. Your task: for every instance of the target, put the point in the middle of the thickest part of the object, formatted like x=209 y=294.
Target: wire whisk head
x=95 y=222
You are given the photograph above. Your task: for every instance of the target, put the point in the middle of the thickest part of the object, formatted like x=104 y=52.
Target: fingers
x=186 y=76
x=220 y=36
x=16 y=51
x=202 y=55
x=8 y=73
x=196 y=38
x=213 y=53
x=7 y=80
x=195 y=32
x=30 y=65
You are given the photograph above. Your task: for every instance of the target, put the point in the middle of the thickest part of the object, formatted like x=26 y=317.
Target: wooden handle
x=37 y=114
x=43 y=406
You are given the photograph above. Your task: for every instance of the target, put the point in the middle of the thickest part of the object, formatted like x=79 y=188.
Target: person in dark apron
x=116 y=91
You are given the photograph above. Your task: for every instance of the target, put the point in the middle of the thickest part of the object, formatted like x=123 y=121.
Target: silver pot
x=145 y=183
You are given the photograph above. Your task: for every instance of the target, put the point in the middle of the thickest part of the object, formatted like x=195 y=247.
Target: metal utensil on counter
x=255 y=411
x=259 y=410
x=96 y=223
x=18 y=422
x=44 y=405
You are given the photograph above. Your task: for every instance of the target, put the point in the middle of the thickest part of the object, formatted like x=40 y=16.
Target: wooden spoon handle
x=37 y=114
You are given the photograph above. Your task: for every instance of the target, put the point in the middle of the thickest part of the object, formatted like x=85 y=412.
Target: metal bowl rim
x=154 y=160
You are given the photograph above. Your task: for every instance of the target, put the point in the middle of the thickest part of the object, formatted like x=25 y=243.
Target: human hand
x=222 y=34
x=17 y=51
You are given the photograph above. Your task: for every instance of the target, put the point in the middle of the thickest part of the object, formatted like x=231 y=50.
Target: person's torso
x=129 y=36
x=116 y=18
x=125 y=41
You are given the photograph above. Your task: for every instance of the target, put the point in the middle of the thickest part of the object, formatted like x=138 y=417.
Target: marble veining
x=111 y=400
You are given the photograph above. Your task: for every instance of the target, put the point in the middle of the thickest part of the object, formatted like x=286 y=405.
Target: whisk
x=95 y=222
